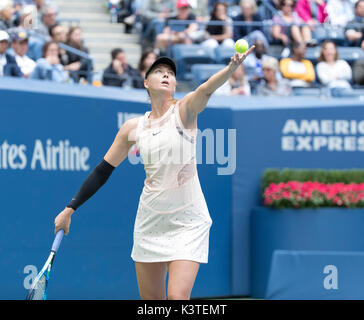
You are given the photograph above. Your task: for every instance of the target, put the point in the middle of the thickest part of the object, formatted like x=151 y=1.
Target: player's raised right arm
x=117 y=153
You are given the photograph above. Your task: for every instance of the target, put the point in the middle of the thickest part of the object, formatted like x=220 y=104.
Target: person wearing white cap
x=19 y=43
x=270 y=85
x=4 y=37
x=8 y=65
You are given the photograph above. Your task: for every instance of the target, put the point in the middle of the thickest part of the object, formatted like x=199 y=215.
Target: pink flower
x=339 y=194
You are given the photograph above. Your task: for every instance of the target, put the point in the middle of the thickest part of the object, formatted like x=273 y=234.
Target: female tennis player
x=171 y=231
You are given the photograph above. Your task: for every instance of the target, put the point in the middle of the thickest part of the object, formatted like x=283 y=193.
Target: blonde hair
x=251 y=3
x=270 y=62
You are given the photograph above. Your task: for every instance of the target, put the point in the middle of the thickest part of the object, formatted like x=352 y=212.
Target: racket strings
x=39 y=289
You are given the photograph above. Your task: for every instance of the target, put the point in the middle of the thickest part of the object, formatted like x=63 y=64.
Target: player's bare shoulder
x=123 y=141
x=128 y=129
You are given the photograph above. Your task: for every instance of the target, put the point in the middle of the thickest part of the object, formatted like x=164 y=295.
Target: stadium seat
x=312 y=54
x=177 y=25
x=359 y=93
x=306 y=92
x=187 y=55
x=275 y=50
x=202 y=72
x=157 y=25
x=336 y=34
x=347 y=93
x=350 y=54
x=233 y=11
x=223 y=54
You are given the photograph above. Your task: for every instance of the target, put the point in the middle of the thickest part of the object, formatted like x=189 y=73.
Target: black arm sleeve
x=93 y=182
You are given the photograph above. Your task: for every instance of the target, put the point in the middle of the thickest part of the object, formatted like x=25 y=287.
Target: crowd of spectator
x=290 y=25
x=37 y=46
x=31 y=38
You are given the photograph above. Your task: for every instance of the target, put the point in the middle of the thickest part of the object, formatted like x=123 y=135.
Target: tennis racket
x=38 y=291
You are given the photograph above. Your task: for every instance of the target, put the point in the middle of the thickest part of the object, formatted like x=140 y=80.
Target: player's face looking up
x=161 y=77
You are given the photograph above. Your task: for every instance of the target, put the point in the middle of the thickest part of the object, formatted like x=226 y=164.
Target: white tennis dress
x=172 y=221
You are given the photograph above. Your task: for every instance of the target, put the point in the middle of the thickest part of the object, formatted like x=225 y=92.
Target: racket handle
x=57 y=240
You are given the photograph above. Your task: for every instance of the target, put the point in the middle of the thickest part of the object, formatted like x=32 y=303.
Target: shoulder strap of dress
x=180 y=127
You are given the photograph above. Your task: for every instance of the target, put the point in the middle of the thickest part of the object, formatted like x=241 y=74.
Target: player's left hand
x=238 y=58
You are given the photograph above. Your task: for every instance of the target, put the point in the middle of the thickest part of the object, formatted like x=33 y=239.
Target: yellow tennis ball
x=241 y=46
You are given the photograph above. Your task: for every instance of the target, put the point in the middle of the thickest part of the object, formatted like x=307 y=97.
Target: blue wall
x=314 y=230
x=316 y=275
x=94 y=259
